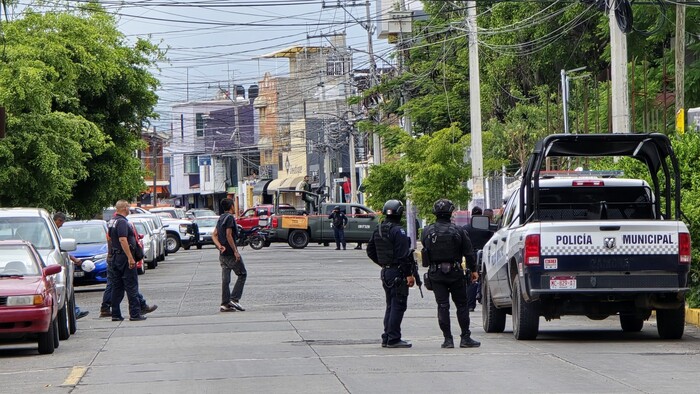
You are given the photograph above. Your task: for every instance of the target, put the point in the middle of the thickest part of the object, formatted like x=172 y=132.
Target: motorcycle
x=255 y=237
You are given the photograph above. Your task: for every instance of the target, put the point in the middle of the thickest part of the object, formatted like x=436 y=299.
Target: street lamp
x=565 y=94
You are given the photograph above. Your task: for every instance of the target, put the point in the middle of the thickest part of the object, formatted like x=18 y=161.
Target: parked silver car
x=36 y=226
x=150 y=240
x=206 y=225
x=159 y=233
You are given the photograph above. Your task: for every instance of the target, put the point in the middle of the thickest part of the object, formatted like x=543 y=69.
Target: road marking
x=75 y=375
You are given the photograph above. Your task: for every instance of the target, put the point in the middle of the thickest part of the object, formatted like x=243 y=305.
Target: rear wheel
x=72 y=318
x=56 y=341
x=63 y=330
x=298 y=239
x=46 y=340
x=631 y=323
x=142 y=270
x=257 y=242
x=494 y=319
x=151 y=264
x=526 y=319
x=172 y=243
x=671 y=322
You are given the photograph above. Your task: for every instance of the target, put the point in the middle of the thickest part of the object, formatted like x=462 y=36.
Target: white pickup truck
x=585 y=244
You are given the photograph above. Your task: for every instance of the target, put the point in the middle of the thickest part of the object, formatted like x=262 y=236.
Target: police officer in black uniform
x=444 y=245
x=123 y=266
x=389 y=248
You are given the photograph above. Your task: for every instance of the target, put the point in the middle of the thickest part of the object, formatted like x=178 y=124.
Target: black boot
x=448 y=344
x=469 y=342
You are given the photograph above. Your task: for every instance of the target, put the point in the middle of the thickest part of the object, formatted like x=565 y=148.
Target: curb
x=692 y=316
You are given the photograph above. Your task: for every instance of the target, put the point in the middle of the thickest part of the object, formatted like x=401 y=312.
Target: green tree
x=427 y=168
x=76 y=95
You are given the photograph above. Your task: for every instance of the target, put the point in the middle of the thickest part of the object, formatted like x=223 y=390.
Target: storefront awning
x=292 y=182
x=261 y=187
x=274 y=185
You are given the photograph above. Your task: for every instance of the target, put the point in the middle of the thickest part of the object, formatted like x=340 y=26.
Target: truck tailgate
x=632 y=245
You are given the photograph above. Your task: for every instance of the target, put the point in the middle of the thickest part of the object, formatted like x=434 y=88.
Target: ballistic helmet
x=443 y=207
x=393 y=208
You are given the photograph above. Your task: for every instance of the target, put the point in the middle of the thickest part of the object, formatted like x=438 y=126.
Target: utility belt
x=117 y=251
x=389 y=266
x=445 y=267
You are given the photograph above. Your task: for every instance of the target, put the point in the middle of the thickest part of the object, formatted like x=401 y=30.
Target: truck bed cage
x=653 y=149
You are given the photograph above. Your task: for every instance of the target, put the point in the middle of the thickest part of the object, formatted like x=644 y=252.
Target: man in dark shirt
x=339 y=221
x=123 y=266
x=59 y=218
x=230 y=259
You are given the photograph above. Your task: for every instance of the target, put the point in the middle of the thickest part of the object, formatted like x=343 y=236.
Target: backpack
x=443 y=241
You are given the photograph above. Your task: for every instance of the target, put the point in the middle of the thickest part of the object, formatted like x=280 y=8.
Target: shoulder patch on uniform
x=403 y=231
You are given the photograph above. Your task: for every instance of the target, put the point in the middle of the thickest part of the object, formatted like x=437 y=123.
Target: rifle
x=416 y=274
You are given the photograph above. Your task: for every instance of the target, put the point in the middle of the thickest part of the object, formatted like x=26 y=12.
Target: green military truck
x=301 y=227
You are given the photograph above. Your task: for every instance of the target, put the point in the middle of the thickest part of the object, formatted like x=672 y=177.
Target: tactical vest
x=385 y=249
x=443 y=243
x=338 y=220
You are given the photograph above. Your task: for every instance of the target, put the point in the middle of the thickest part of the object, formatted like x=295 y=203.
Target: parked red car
x=28 y=300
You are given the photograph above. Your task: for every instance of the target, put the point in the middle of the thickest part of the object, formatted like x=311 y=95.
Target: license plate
x=562 y=282
x=78 y=274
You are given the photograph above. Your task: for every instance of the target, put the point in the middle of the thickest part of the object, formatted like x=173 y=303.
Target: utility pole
x=155 y=167
x=680 y=58
x=618 y=65
x=376 y=142
x=475 y=105
x=351 y=149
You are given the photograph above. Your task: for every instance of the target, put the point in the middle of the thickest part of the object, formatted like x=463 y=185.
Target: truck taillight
x=684 y=248
x=532 y=249
x=274 y=222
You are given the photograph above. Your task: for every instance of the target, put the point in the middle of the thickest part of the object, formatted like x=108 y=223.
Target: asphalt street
x=313 y=325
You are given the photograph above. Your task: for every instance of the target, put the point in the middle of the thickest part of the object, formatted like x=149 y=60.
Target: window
x=335 y=65
x=191 y=165
x=199 y=124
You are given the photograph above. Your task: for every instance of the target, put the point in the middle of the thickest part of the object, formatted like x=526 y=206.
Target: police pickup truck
x=588 y=244
x=301 y=227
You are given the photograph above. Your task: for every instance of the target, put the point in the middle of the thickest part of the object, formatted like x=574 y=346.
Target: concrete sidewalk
x=339 y=352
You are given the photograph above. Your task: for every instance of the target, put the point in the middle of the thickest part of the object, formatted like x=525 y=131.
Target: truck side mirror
x=481 y=222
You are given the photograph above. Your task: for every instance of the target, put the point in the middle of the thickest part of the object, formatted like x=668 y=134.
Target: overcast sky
x=216 y=43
